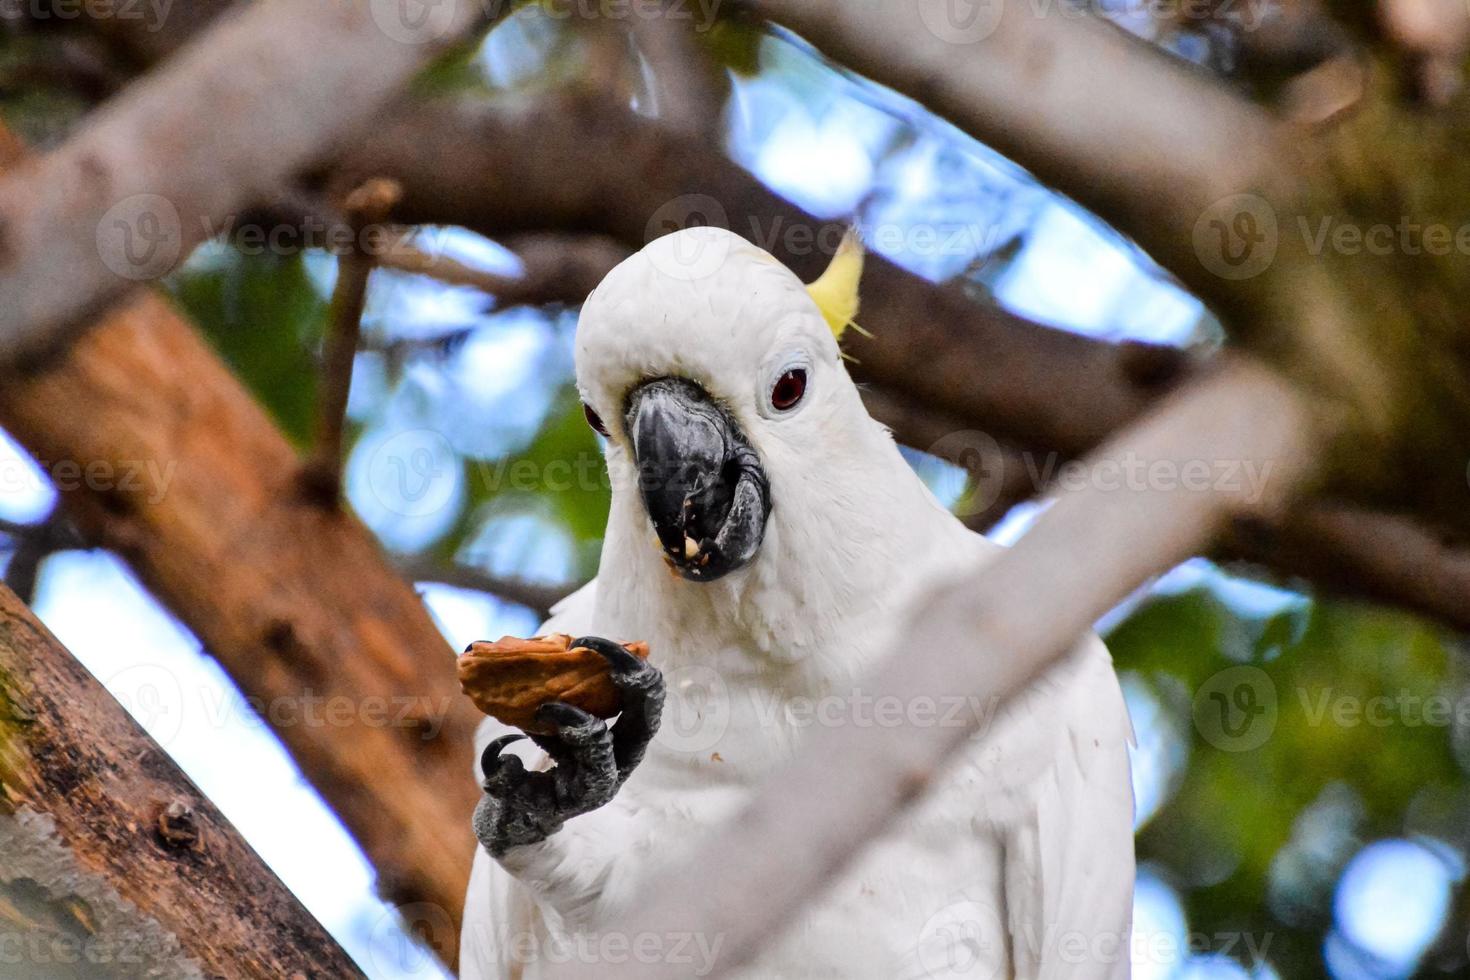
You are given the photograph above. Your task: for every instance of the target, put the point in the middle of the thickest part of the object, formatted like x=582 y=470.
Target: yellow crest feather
x=836 y=291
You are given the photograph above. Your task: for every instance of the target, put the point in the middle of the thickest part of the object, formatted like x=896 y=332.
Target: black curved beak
x=702 y=483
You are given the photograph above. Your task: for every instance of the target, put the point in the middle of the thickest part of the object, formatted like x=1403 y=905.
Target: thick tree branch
x=1147 y=142
x=1043 y=391
x=175 y=468
x=482 y=173
x=1016 y=616
x=120 y=864
x=152 y=173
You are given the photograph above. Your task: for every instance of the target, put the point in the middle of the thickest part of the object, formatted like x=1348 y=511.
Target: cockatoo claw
x=592 y=761
x=491 y=760
x=641 y=686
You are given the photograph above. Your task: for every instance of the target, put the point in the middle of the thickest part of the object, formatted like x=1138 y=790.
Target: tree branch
x=33 y=544
x=1144 y=140
x=113 y=853
x=1038 y=389
x=469 y=164
x=187 y=480
x=152 y=174
x=538 y=598
x=557 y=268
x=366 y=208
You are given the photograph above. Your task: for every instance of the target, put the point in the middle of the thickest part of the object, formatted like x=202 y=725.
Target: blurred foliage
x=552 y=460
x=1353 y=707
x=735 y=44
x=266 y=318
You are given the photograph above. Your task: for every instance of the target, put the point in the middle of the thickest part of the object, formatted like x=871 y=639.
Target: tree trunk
x=112 y=863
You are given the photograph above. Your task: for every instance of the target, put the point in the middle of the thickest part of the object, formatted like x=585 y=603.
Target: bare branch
x=199 y=497
x=470 y=164
x=689 y=100
x=557 y=268
x=98 y=824
x=152 y=173
x=1145 y=141
x=537 y=598
x=365 y=208
x=1029 y=386
x=1018 y=615
x=1356 y=552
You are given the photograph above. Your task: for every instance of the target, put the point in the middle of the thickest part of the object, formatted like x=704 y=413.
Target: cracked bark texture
x=112 y=863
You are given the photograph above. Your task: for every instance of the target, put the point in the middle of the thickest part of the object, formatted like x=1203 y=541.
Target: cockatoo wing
x=1069 y=883
x=497 y=909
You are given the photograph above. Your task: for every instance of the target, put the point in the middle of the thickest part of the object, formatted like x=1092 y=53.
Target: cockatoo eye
x=788 y=390
x=594 y=420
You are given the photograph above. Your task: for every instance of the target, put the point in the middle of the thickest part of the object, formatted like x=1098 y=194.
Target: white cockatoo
x=765 y=539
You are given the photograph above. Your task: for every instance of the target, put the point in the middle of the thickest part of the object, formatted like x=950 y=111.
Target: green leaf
x=266 y=318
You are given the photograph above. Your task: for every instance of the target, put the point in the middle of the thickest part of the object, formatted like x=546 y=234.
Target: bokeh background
x=1301 y=763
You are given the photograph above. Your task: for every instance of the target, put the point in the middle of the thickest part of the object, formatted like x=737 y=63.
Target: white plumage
x=1018 y=863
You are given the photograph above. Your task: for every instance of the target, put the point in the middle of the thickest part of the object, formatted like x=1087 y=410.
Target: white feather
x=1021 y=852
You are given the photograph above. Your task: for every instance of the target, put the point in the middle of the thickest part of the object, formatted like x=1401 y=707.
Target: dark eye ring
x=594 y=420
x=788 y=390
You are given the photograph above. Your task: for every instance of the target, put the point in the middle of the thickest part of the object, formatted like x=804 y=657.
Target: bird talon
x=490 y=761
x=619 y=660
x=566 y=719
x=631 y=674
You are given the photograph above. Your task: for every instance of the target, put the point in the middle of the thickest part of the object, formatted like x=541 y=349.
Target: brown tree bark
x=161 y=456
x=112 y=863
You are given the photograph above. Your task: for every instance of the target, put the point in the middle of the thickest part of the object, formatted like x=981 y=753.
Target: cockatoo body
x=1018 y=862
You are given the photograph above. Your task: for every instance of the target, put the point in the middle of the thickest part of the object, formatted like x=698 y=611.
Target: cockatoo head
x=716 y=376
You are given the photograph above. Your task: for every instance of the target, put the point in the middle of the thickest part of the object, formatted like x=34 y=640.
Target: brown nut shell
x=510 y=678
